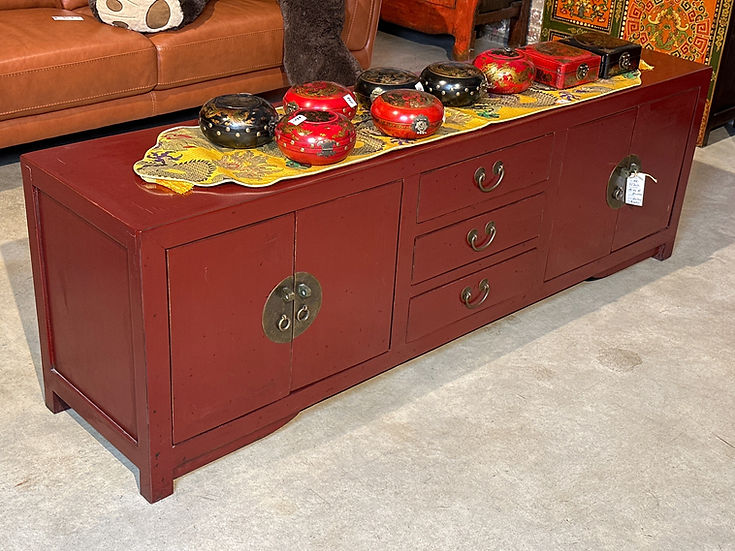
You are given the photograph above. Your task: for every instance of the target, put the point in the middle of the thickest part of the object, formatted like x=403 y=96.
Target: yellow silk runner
x=183 y=158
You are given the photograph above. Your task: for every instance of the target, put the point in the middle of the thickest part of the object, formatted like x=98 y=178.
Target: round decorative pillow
x=147 y=16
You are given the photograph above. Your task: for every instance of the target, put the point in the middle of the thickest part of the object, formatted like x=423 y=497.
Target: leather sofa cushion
x=46 y=65
x=74 y=4
x=230 y=37
x=25 y=4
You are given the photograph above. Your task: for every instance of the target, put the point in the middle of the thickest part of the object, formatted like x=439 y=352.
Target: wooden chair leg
x=464 y=43
x=518 y=32
x=463 y=29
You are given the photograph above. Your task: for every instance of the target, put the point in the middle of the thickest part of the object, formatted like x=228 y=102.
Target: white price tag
x=67 y=18
x=635 y=186
x=419 y=87
x=297 y=120
x=350 y=100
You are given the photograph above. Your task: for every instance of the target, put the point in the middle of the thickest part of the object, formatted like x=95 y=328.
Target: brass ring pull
x=303 y=313
x=490 y=231
x=481 y=176
x=284 y=323
x=466 y=295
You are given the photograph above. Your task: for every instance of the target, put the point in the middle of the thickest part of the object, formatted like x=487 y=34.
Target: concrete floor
x=600 y=418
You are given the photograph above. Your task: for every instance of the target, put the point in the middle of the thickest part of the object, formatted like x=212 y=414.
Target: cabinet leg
x=665 y=251
x=155 y=484
x=54 y=403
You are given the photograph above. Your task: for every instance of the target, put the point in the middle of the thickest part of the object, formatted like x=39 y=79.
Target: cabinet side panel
x=222 y=364
x=349 y=245
x=89 y=309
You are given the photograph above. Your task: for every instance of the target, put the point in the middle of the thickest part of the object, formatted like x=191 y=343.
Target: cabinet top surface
x=100 y=170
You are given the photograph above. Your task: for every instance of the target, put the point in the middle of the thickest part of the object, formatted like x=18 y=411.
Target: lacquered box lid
x=560 y=57
x=321 y=95
x=602 y=43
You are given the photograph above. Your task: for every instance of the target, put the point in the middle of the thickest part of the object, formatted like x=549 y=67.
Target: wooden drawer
x=455 y=186
x=479 y=237
x=445 y=305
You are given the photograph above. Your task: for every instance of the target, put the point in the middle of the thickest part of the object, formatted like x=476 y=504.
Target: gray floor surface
x=600 y=418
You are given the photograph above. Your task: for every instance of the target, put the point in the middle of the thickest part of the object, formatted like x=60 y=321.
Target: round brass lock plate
x=616 y=184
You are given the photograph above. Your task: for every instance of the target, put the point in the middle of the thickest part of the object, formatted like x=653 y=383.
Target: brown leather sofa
x=61 y=75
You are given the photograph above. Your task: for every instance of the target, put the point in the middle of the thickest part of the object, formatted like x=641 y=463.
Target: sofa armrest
x=361 y=25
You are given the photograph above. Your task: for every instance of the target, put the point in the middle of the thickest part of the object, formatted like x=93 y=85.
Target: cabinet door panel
x=349 y=245
x=583 y=222
x=659 y=139
x=222 y=364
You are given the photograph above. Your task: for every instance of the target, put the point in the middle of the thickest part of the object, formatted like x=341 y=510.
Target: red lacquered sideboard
x=183 y=327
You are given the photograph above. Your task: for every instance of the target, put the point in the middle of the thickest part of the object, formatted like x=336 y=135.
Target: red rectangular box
x=561 y=65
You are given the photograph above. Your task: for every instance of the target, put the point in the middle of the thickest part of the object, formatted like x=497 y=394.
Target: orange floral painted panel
x=595 y=14
x=680 y=27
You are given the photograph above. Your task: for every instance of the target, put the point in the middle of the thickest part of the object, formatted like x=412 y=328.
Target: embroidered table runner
x=183 y=158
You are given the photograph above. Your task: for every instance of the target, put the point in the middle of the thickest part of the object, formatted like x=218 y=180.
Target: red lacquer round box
x=321 y=95
x=315 y=137
x=508 y=71
x=407 y=113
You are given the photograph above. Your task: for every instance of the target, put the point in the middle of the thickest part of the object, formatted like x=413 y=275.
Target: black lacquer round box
x=455 y=83
x=376 y=80
x=238 y=121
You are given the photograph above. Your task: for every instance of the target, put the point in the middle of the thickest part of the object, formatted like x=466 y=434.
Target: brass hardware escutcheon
x=481 y=176
x=303 y=290
x=473 y=234
x=466 y=295
x=291 y=307
x=616 y=184
x=582 y=71
x=625 y=62
x=308 y=301
x=278 y=312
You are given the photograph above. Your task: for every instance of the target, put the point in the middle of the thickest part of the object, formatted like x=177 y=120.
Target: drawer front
x=479 y=237
x=472 y=294
x=462 y=184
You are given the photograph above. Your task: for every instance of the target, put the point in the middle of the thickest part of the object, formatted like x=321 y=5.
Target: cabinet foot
x=54 y=403
x=629 y=262
x=664 y=251
x=155 y=484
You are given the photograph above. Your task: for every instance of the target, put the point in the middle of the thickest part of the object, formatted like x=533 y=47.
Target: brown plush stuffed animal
x=313 y=47
x=147 y=16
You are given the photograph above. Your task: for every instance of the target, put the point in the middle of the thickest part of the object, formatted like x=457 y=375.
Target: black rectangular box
x=618 y=55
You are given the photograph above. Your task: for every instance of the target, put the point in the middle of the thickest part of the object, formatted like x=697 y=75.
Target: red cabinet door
x=659 y=140
x=222 y=364
x=349 y=245
x=583 y=222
